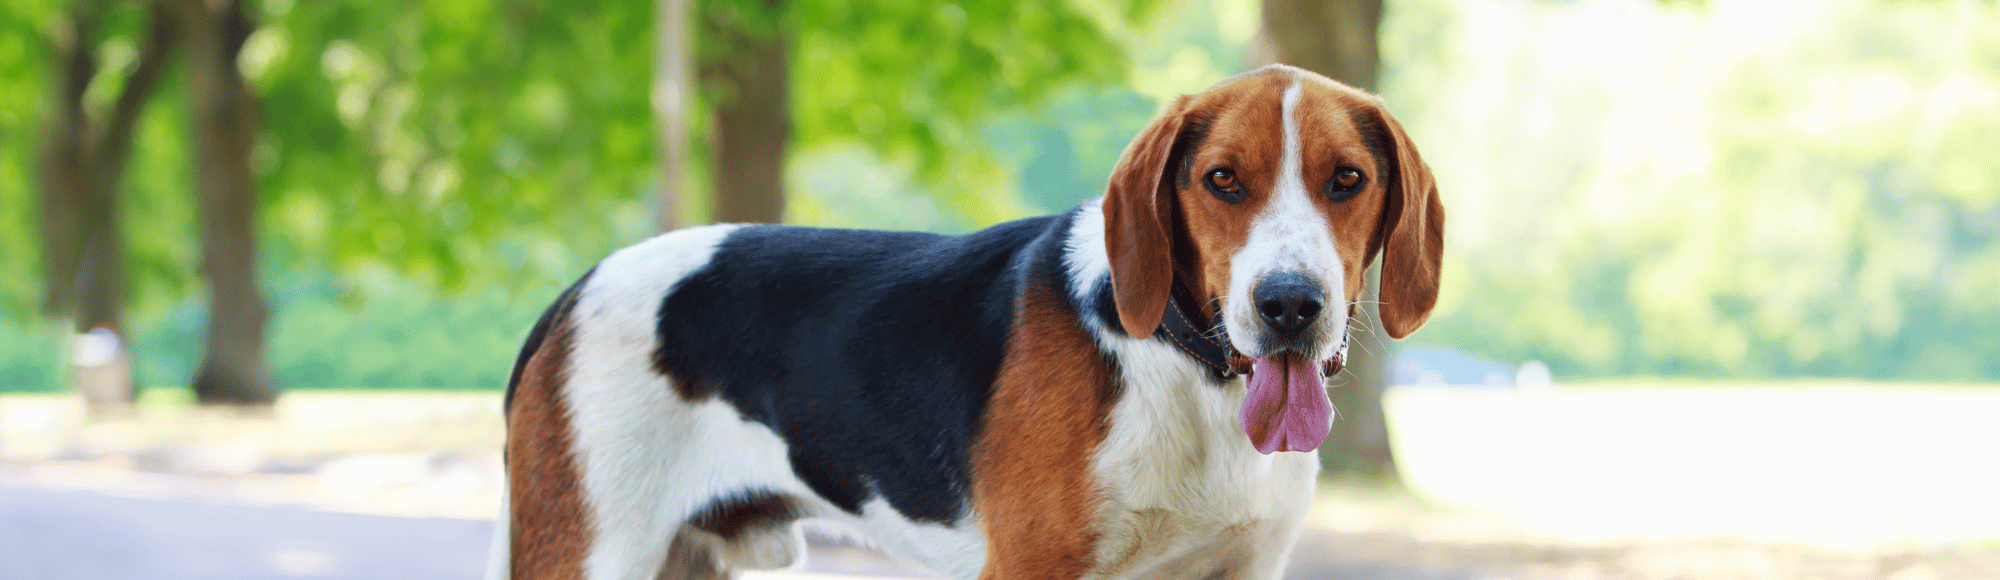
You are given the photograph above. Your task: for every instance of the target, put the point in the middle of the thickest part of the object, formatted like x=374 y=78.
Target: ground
x=391 y=486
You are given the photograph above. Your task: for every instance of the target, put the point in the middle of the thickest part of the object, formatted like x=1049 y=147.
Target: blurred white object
x=97 y=347
x=1533 y=378
x=103 y=370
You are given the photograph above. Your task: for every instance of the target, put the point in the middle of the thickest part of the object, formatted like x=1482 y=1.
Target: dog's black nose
x=1289 y=302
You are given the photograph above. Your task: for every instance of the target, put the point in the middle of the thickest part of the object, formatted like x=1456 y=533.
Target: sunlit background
x=1721 y=290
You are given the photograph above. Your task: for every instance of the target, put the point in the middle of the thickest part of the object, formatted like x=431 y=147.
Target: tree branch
x=114 y=144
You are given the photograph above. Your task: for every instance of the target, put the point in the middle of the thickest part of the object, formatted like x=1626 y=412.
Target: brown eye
x=1222 y=183
x=1347 y=178
x=1222 y=179
x=1345 y=183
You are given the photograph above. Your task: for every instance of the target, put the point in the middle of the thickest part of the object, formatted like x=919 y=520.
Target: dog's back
x=723 y=382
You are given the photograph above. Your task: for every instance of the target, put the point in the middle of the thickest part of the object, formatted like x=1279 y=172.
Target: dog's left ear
x=1413 y=237
x=1138 y=209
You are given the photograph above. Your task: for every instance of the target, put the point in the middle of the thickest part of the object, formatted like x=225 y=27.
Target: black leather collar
x=1213 y=351
x=1217 y=354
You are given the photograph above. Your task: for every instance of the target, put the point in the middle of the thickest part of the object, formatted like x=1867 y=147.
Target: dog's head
x=1264 y=200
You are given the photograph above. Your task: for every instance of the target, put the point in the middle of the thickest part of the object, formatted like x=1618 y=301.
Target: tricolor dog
x=1125 y=390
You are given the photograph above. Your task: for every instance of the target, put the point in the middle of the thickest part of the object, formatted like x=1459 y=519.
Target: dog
x=1124 y=390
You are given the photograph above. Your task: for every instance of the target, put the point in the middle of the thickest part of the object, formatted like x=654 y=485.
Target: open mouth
x=1287 y=408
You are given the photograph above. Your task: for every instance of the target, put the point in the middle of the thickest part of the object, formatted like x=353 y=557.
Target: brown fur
x=550 y=527
x=728 y=518
x=1137 y=215
x=1033 y=487
x=1238 y=124
x=690 y=390
x=690 y=559
x=1245 y=133
x=1413 y=255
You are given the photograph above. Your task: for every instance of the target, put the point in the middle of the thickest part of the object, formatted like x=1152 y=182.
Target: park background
x=1787 y=207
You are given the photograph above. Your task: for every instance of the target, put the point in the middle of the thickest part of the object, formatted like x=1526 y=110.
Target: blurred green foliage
x=1746 y=188
x=1737 y=188
x=437 y=153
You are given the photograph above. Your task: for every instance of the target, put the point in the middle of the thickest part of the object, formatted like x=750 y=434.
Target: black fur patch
x=1103 y=304
x=871 y=353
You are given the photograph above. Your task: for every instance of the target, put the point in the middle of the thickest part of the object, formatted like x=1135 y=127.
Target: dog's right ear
x=1138 y=209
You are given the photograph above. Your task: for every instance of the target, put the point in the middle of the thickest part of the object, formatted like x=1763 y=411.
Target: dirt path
x=418 y=470
x=1323 y=554
x=154 y=525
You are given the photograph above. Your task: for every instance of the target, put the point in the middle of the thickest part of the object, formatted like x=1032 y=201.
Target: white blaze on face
x=1288 y=235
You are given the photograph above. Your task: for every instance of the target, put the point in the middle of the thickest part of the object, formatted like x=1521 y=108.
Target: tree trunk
x=1337 y=38
x=65 y=159
x=1360 y=440
x=673 y=78
x=102 y=362
x=751 y=80
x=232 y=368
x=83 y=169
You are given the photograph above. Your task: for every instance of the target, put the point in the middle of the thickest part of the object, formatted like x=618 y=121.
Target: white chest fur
x=1186 y=493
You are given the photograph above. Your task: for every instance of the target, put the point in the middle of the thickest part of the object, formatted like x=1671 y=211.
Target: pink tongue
x=1287 y=409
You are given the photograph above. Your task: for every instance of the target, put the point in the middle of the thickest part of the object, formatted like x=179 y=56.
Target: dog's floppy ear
x=1413 y=234
x=1138 y=209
